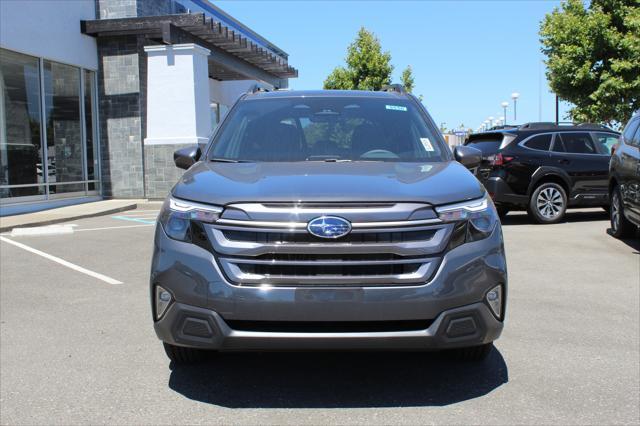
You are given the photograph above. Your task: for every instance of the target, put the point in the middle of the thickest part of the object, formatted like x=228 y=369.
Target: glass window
x=89 y=114
x=541 y=142
x=64 y=136
x=327 y=128
x=577 y=143
x=636 y=140
x=606 y=141
x=20 y=146
x=631 y=128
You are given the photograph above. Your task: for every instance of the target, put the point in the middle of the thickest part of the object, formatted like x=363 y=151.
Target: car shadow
x=521 y=218
x=633 y=242
x=337 y=379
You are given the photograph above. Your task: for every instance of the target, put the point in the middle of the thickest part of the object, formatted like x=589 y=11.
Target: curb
x=68 y=218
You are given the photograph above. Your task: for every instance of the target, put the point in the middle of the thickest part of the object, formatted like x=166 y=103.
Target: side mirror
x=186 y=157
x=468 y=156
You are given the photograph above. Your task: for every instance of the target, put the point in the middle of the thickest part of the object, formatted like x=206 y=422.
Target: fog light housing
x=494 y=300
x=163 y=300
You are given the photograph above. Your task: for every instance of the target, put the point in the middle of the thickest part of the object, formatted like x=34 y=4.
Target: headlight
x=480 y=215
x=181 y=218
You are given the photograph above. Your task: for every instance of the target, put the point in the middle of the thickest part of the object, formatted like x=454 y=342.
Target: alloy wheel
x=550 y=203
x=615 y=212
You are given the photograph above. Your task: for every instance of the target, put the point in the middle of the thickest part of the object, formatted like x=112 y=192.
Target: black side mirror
x=187 y=157
x=468 y=156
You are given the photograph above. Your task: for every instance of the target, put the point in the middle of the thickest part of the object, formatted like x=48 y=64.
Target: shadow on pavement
x=634 y=243
x=521 y=218
x=337 y=379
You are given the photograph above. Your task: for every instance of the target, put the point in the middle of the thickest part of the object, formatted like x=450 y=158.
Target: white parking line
x=62 y=262
x=115 y=227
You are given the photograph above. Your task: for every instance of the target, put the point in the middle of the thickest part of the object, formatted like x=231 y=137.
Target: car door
x=587 y=167
x=630 y=174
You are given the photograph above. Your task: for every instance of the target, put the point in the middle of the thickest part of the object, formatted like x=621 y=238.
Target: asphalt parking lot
x=80 y=348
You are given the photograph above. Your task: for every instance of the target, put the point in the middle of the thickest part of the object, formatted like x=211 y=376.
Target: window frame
x=523 y=143
x=588 y=133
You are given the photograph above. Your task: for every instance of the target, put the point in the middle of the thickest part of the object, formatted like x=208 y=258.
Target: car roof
x=325 y=93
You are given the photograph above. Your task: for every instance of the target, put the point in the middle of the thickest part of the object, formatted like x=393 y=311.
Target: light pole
x=515 y=96
x=505 y=104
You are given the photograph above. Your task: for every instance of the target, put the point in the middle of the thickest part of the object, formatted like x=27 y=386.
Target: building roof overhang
x=234 y=56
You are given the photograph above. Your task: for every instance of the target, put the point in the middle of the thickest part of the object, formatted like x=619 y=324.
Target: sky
x=467 y=56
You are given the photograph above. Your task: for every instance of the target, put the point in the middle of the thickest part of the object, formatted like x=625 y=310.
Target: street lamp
x=515 y=96
x=505 y=104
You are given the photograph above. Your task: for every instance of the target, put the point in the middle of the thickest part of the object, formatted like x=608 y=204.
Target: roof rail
x=398 y=88
x=538 y=125
x=594 y=126
x=259 y=87
x=562 y=124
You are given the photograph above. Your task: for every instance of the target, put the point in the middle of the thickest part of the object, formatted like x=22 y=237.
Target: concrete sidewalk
x=78 y=211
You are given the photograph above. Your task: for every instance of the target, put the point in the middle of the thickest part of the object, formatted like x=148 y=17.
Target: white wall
x=177 y=96
x=50 y=29
x=227 y=92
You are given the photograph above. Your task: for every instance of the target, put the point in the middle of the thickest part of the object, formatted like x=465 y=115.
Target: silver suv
x=328 y=220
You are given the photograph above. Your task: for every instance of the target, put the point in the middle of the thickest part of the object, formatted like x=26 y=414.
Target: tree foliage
x=367 y=66
x=407 y=79
x=593 y=58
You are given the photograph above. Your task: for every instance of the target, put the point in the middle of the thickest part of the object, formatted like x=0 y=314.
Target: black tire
x=621 y=227
x=548 y=203
x=502 y=211
x=471 y=353
x=182 y=355
x=607 y=209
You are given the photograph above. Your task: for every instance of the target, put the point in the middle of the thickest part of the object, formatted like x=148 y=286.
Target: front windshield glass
x=326 y=129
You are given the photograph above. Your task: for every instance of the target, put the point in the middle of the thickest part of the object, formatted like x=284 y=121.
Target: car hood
x=227 y=183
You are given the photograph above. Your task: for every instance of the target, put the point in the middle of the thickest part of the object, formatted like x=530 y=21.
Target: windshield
x=326 y=129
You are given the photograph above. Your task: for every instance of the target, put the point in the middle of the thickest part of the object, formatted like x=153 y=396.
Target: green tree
x=367 y=66
x=407 y=79
x=593 y=58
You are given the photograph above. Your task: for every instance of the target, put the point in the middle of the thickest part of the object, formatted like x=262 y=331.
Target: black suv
x=624 y=181
x=545 y=168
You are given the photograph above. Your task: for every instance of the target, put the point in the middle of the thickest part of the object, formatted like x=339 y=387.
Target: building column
x=177 y=110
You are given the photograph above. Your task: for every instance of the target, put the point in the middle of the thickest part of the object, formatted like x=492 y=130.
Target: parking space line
x=62 y=262
x=115 y=227
x=134 y=219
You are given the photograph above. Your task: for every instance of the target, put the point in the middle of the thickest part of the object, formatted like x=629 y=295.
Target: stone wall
x=161 y=172
x=109 y=9
x=120 y=117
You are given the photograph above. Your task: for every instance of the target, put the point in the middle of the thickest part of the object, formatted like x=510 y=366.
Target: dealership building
x=97 y=94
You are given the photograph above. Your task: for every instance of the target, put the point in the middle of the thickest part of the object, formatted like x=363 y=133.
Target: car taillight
x=499 y=160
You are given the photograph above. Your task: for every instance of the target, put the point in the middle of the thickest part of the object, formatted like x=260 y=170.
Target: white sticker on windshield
x=396 y=107
x=427 y=144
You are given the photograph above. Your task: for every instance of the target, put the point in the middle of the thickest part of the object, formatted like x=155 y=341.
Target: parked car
x=545 y=168
x=624 y=181
x=328 y=220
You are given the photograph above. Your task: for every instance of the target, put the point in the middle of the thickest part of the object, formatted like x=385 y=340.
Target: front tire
x=472 y=353
x=548 y=203
x=182 y=355
x=620 y=225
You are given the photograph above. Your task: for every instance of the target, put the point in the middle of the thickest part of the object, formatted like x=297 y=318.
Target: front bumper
x=452 y=304
x=186 y=325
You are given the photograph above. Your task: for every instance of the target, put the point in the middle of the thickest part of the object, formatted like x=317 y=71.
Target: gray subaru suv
x=321 y=220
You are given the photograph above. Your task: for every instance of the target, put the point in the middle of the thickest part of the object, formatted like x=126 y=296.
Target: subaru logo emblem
x=329 y=227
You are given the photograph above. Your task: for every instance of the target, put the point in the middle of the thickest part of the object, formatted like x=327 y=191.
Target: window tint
x=578 y=143
x=327 y=129
x=558 y=145
x=541 y=142
x=605 y=141
x=630 y=130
